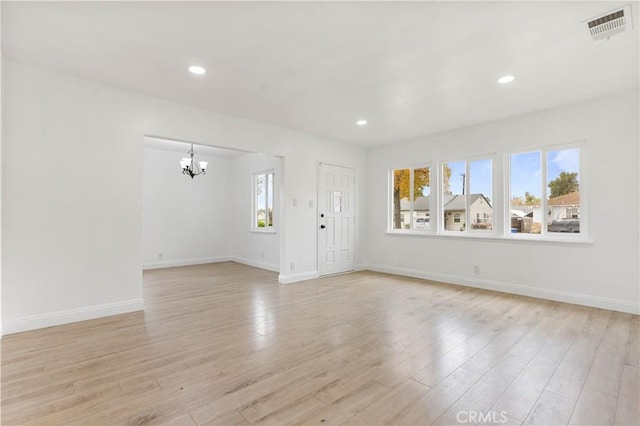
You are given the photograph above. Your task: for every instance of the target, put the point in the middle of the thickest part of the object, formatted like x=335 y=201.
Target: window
x=544 y=195
x=539 y=195
x=410 y=207
x=263 y=200
x=563 y=191
x=467 y=189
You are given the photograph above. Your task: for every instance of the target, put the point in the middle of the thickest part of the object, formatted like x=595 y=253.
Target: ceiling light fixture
x=506 y=79
x=361 y=122
x=195 y=69
x=191 y=167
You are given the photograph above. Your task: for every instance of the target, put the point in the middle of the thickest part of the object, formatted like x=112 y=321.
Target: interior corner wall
x=248 y=246
x=603 y=274
x=185 y=221
x=72 y=226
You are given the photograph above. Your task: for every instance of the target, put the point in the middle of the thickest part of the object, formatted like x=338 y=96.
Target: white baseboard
x=72 y=315
x=186 y=262
x=523 y=290
x=361 y=267
x=255 y=263
x=294 y=278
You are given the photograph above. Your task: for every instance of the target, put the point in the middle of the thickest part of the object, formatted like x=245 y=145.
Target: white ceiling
x=409 y=68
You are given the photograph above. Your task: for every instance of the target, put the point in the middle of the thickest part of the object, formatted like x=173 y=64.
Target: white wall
x=257 y=248
x=1 y=169
x=604 y=273
x=72 y=226
x=184 y=221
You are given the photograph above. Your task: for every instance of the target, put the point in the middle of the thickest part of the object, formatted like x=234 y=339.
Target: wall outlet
x=261 y=255
x=295 y=202
x=476 y=269
x=160 y=255
x=293 y=266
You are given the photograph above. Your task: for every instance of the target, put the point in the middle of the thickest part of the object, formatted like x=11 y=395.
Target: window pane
x=269 y=218
x=563 y=182
x=260 y=200
x=337 y=202
x=481 y=195
x=401 y=204
x=525 y=205
x=453 y=199
x=421 y=191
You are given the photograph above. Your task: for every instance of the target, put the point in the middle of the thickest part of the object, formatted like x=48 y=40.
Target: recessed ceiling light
x=195 y=69
x=361 y=122
x=506 y=79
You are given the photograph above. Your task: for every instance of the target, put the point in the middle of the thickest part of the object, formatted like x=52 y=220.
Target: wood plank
x=628 y=409
x=225 y=344
x=390 y=404
x=550 y=409
x=594 y=408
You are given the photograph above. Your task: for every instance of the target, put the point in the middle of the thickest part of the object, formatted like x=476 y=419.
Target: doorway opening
x=210 y=217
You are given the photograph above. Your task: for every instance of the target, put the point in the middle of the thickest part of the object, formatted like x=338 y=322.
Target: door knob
x=322 y=226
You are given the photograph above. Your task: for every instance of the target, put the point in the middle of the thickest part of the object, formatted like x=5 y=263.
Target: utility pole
x=463 y=181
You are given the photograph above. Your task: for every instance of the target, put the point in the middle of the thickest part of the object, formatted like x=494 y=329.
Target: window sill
x=265 y=231
x=553 y=240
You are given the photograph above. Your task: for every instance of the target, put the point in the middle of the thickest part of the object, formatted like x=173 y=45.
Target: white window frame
x=582 y=179
x=495 y=203
x=500 y=200
x=254 y=201
x=432 y=229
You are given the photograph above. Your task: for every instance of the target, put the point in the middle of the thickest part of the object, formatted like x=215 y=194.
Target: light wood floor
x=225 y=344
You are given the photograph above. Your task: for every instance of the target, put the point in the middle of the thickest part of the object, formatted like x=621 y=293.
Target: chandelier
x=191 y=167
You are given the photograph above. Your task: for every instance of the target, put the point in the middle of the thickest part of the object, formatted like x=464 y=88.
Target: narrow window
x=480 y=198
x=401 y=199
x=263 y=200
x=525 y=198
x=453 y=195
x=563 y=185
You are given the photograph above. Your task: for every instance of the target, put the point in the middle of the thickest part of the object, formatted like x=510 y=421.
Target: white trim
x=362 y=267
x=185 y=262
x=72 y=315
x=521 y=238
x=255 y=263
x=294 y=278
x=523 y=290
x=207 y=260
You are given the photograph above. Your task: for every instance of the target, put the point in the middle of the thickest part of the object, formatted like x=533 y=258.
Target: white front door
x=336 y=219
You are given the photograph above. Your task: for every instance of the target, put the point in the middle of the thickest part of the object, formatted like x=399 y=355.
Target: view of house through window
x=563 y=185
x=411 y=199
x=263 y=200
x=467 y=188
x=542 y=191
x=560 y=211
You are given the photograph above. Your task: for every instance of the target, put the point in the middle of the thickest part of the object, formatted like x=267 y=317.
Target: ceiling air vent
x=612 y=23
